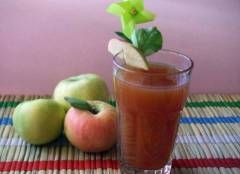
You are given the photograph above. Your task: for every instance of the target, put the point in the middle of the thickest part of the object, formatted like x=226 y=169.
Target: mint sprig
x=123 y=36
x=147 y=40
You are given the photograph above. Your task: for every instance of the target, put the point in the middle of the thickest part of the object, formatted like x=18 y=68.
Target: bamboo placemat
x=208 y=142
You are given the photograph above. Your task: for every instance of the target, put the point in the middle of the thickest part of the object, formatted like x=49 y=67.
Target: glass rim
x=189 y=68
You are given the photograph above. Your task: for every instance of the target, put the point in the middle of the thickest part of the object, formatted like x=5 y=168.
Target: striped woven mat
x=208 y=142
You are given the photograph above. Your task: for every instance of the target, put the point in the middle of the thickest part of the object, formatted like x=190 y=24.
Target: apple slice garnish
x=130 y=54
x=115 y=47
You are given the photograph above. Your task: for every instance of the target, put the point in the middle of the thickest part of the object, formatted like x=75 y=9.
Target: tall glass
x=149 y=104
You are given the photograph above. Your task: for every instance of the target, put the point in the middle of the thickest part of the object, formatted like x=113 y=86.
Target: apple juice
x=149 y=105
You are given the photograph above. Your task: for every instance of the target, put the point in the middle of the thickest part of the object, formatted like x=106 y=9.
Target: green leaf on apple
x=112 y=102
x=80 y=104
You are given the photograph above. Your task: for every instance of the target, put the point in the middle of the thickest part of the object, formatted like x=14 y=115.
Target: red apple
x=92 y=131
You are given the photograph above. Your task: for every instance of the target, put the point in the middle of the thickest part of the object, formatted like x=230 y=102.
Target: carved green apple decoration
x=131 y=12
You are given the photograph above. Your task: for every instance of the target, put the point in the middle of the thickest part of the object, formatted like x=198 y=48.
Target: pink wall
x=42 y=42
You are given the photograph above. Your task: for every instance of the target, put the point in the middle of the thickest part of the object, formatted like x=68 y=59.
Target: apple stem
x=81 y=104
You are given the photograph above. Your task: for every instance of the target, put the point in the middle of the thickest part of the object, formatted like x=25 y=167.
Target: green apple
x=39 y=121
x=84 y=87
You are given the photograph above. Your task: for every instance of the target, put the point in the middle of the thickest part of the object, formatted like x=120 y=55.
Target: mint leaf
x=123 y=36
x=147 y=40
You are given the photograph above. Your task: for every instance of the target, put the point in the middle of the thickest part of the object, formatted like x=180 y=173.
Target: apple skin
x=39 y=121
x=85 y=87
x=92 y=132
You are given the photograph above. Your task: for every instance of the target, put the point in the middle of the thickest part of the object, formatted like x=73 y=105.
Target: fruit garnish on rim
x=131 y=12
x=127 y=52
x=135 y=44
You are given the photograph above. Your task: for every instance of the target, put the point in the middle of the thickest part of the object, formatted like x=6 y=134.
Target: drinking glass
x=149 y=104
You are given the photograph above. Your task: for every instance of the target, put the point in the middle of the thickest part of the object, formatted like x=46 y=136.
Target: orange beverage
x=149 y=105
